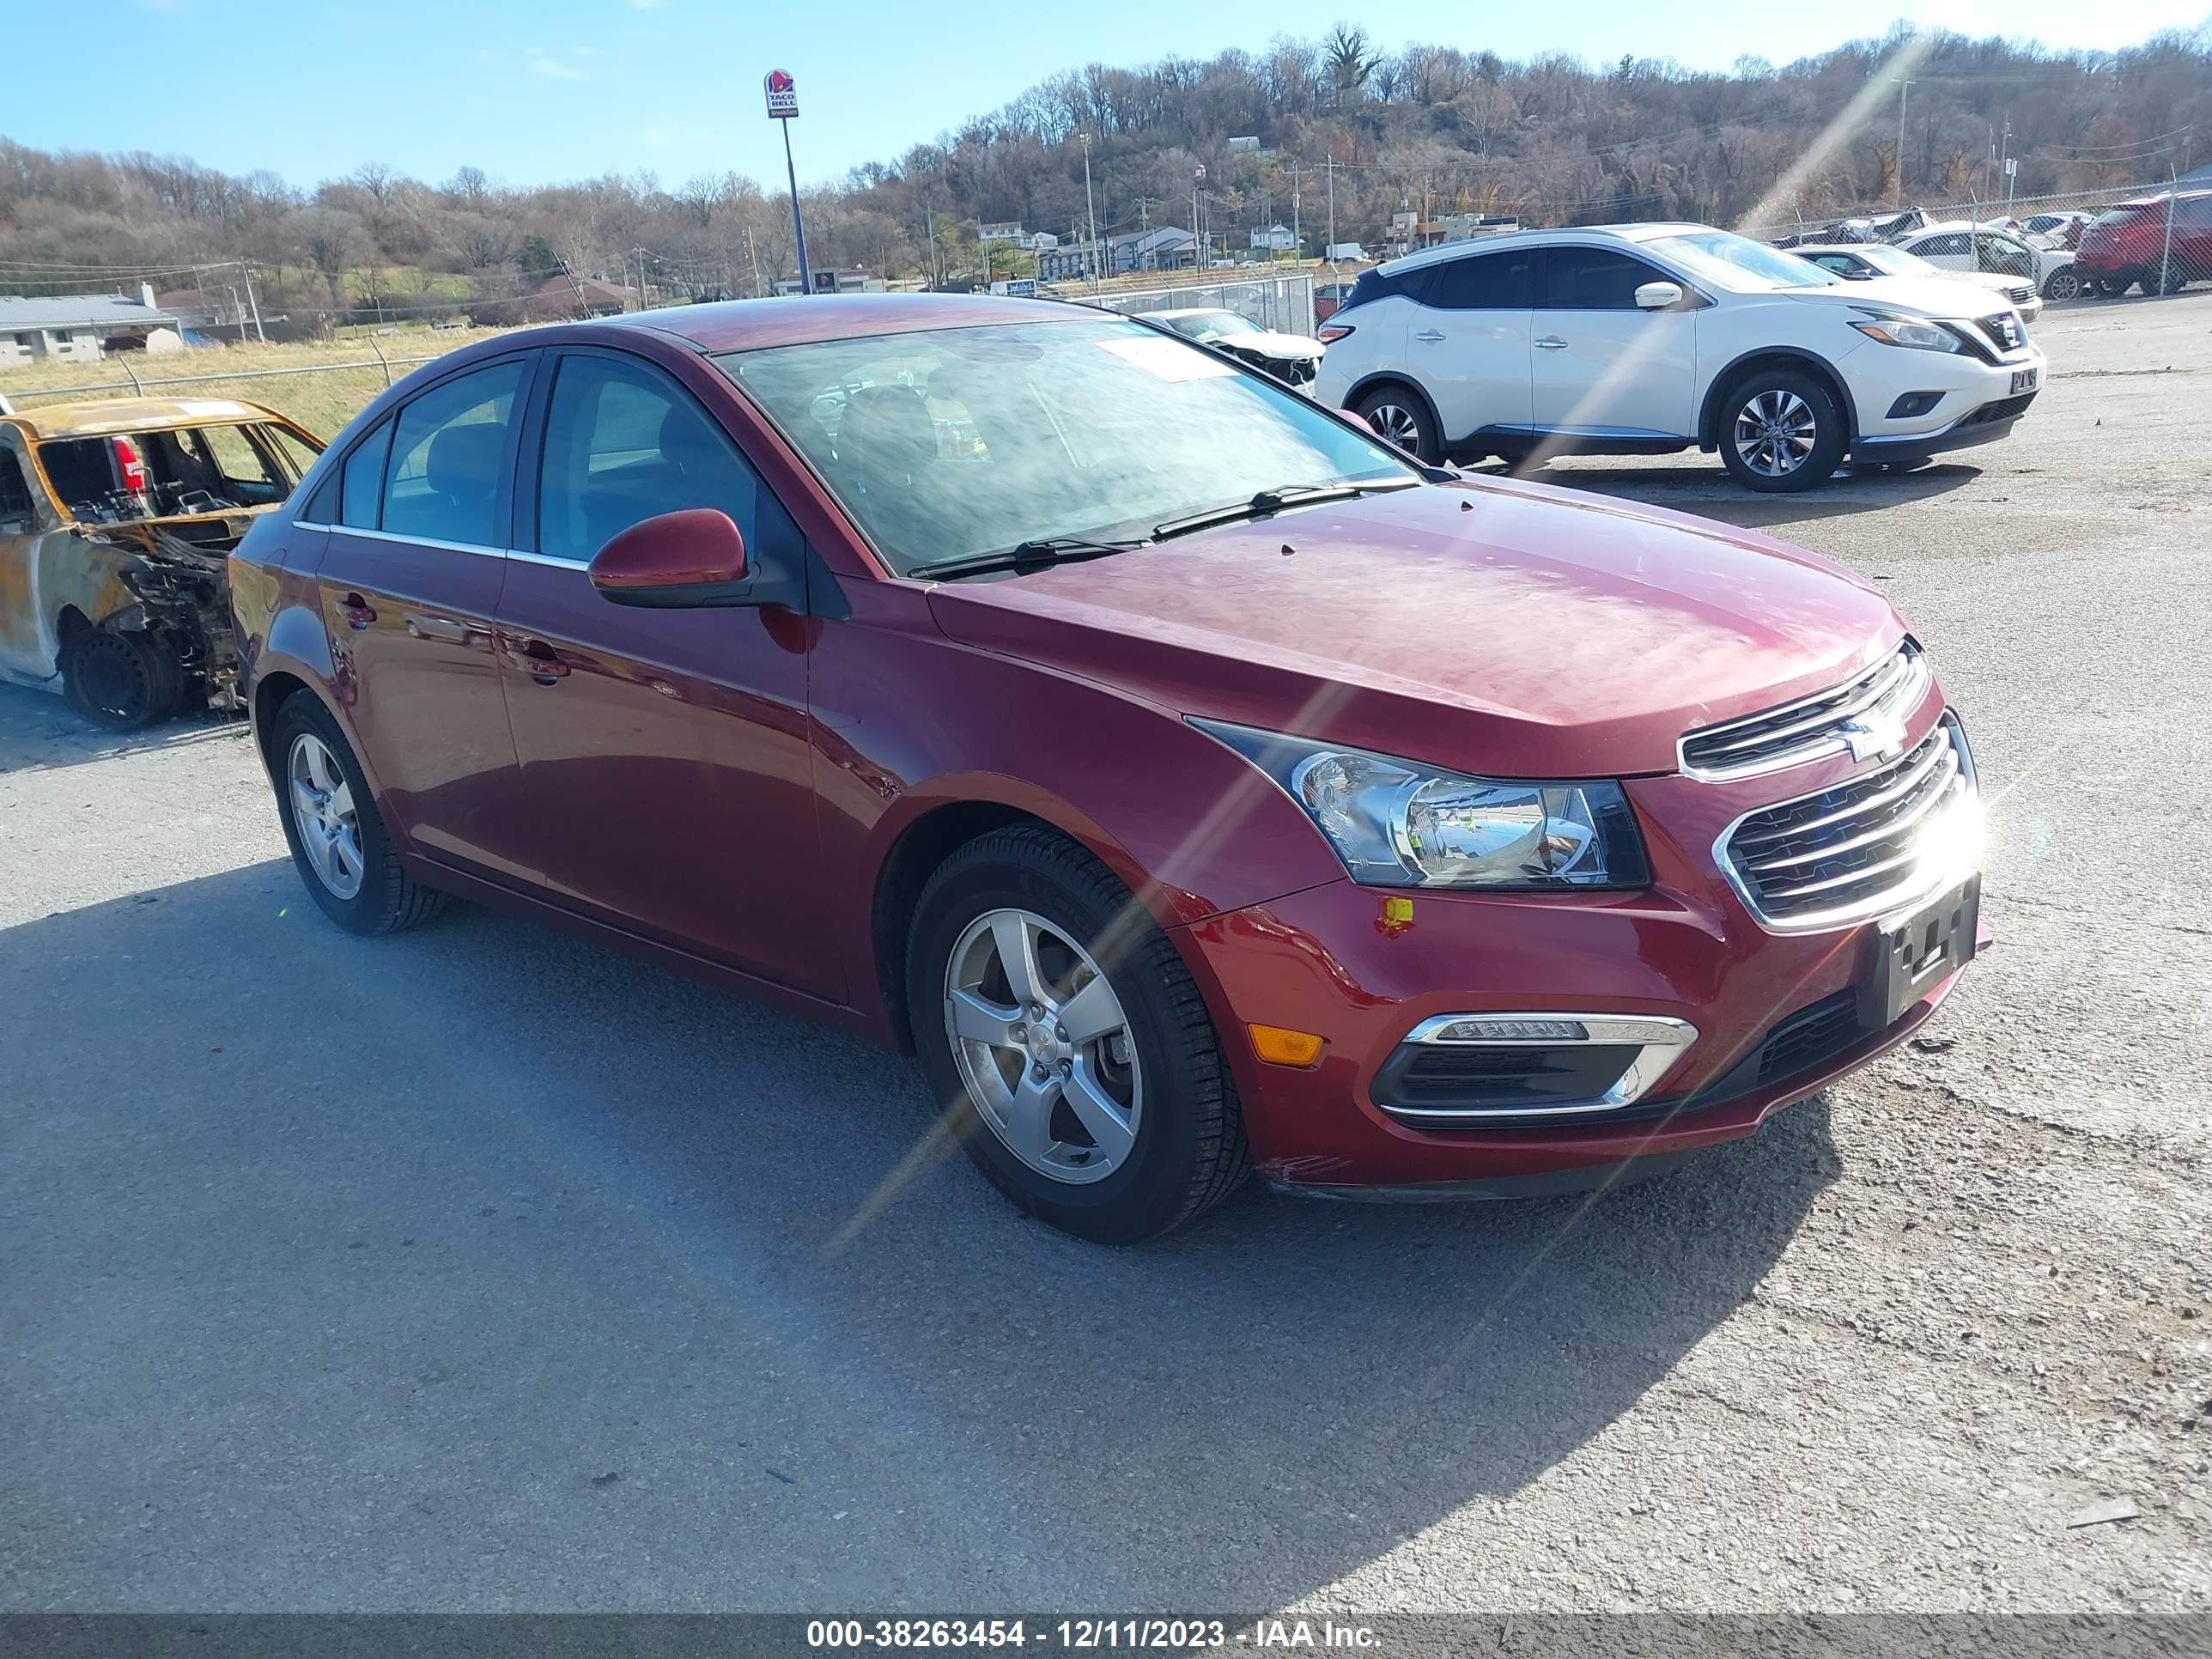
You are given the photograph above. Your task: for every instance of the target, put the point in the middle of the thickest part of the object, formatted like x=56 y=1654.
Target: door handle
x=537 y=658
x=1551 y=342
x=357 y=611
x=1430 y=335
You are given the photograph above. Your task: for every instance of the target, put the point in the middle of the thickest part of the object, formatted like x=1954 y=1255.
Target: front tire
x=2112 y=287
x=2169 y=278
x=338 y=839
x=1401 y=416
x=1074 y=1054
x=124 y=679
x=1780 y=432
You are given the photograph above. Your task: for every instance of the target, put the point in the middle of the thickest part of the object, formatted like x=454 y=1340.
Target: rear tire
x=2170 y=278
x=1124 y=1041
x=122 y=679
x=2062 y=285
x=1399 y=415
x=337 y=838
x=1781 y=431
x=2112 y=287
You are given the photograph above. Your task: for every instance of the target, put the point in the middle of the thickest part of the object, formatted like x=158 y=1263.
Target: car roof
x=1565 y=236
x=795 y=319
x=1190 y=311
x=100 y=416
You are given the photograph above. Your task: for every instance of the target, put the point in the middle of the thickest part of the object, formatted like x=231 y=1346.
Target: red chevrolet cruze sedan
x=1192 y=781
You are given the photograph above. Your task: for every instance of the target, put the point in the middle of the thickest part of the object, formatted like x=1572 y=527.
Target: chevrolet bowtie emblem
x=1873 y=736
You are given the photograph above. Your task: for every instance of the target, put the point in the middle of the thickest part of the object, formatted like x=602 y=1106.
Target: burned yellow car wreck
x=116 y=519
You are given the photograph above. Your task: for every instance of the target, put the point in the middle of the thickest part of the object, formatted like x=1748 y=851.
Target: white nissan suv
x=1642 y=339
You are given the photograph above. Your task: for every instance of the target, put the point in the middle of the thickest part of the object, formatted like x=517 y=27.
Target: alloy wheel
x=1043 y=1046
x=2063 y=285
x=323 y=814
x=1397 y=423
x=1775 y=432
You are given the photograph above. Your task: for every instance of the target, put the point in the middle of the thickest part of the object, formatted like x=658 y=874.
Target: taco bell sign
x=782 y=94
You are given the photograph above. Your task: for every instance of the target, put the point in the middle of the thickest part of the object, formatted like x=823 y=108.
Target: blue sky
x=535 y=91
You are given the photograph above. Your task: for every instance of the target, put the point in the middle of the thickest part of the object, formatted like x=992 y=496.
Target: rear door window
x=1488 y=282
x=361 y=485
x=450 y=460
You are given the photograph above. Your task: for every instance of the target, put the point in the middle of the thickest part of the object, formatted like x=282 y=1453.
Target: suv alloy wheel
x=1780 y=432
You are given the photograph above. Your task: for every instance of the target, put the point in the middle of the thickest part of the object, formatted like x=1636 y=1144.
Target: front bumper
x=1335 y=961
x=1974 y=402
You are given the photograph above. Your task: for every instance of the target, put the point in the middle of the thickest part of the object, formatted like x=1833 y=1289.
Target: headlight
x=1909 y=331
x=1399 y=823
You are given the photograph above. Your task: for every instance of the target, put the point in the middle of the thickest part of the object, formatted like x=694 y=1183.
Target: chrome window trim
x=1912 y=688
x=1660 y=1041
x=1897 y=901
x=524 y=556
x=477 y=548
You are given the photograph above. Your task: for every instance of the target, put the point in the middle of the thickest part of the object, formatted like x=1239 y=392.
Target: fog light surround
x=1483 y=1069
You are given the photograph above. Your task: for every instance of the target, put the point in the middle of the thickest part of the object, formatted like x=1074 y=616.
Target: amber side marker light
x=1278 y=1046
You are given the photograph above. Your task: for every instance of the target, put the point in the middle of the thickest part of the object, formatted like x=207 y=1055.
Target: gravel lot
x=477 y=1268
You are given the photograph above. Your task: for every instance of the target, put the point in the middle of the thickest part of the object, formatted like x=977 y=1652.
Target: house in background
x=1005 y=233
x=84 y=326
x=1276 y=238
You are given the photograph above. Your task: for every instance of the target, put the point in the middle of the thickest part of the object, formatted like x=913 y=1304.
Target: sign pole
x=798 y=224
x=783 y=106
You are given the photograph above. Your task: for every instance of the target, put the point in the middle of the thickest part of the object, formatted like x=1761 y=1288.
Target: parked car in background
x=1859 y=262
x=1957 y=245
x=2062 y=229
x=2132 y=244
x=116 y=520
x=1645 y=339
x=1327 y=296
x=1293 y=359
x=1192 y=781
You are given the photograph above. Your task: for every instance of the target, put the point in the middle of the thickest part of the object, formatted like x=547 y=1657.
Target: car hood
x=1497 y=627
x=1271 y=344
x=1923 y=297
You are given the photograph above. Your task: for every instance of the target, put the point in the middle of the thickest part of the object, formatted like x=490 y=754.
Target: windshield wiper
x=1028 y=556
x=1274 y=501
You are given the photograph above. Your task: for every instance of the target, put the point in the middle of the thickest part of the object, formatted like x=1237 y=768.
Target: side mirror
x=1657 y=296
x=676 y=561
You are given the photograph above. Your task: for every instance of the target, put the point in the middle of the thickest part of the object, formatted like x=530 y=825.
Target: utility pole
x=752 y=258
x=246 y=272
x=2005 y=161
x=1090 y=209
x=1904 y=92
x=929 y=240
x=1329 y=165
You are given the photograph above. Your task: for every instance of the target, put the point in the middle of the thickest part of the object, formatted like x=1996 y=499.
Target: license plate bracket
x=1912 y=953
x=2023 y=379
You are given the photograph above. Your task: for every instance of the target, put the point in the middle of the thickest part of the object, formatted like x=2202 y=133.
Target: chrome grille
x=1854 y=850
x=2003 y=331
x=1812 y=726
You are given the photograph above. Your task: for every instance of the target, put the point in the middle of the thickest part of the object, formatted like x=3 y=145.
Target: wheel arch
x=935 y=829
x=1382 y=377
x=1789 y=357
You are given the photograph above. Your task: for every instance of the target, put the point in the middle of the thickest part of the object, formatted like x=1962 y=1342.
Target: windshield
x=953 y=443
x=2122 y=216
x=1896 y=262
x=1214 y=324
x=1730 y=261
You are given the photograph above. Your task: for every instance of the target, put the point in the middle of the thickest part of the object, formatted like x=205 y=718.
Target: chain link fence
x=2165 y=263
x=1285 y=304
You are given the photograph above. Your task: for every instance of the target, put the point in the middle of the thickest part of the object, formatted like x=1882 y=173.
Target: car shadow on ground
x=1708 y=491
x=368 y=1244
x=39 y=731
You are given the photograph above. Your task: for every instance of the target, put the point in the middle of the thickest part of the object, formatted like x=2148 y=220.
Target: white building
x=75 y=325
x=1006 y=233
x=1276 y=238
